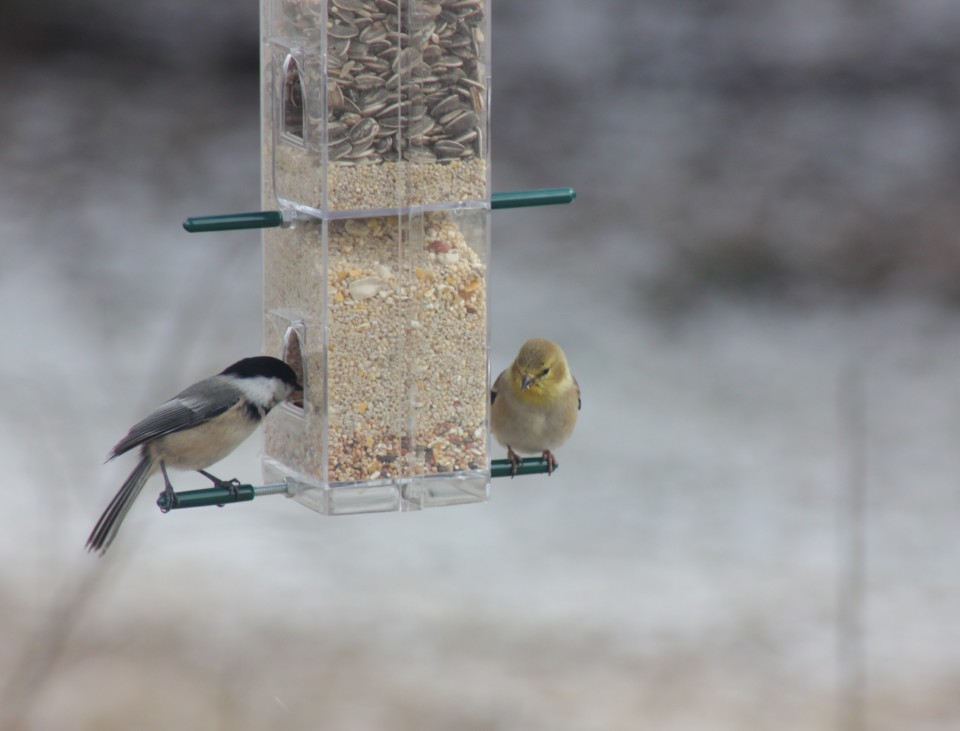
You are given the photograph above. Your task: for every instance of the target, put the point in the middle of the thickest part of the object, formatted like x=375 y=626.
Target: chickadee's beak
x=526 y=381
x=294 y=398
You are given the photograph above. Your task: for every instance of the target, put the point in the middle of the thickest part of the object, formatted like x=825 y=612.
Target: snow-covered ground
x=692 y=565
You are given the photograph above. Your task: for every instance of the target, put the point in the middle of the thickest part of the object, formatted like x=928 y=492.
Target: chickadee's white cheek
x=260 y=390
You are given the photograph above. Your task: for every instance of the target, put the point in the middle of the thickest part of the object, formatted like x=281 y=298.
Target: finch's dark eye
x=544 y=372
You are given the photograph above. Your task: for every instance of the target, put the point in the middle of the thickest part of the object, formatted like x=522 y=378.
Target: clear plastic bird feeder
x=374 y=138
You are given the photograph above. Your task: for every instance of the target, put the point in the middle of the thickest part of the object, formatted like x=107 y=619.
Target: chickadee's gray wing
x=193 y=406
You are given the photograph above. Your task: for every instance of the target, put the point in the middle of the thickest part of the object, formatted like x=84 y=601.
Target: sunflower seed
x=373 y=33
x=407 y=59
x=413 y=81
x=338 y=150
x=446 y=106
x=343 y=31
x=419 y=155
x=358 y=50
x=334 y=97
x=366 y=82
x=364 y=132
x=354 y=6
x=376 y=66
x=448 y=149
x=337 y=131
x=420 y=127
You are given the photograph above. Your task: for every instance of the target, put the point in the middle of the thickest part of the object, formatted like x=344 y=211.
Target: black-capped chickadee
x=195 y=429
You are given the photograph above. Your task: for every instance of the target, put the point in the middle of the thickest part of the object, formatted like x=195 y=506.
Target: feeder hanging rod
x=275 y=219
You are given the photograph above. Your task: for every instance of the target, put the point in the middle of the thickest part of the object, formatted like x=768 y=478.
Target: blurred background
x=756 y=523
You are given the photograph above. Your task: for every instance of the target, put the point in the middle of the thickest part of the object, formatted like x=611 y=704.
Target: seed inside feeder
x=405 y=86
x=406 y=363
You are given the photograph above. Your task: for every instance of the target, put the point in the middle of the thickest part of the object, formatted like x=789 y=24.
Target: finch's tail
x=106 y=528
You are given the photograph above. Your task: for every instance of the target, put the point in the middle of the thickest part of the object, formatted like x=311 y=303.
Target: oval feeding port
x=293 y=112
x=293 y=356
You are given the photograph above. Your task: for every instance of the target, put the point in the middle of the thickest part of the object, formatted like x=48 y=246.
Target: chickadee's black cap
x=264 y=366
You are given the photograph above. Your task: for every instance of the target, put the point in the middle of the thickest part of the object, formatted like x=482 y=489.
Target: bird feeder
x=375 y=146
x=376 y=236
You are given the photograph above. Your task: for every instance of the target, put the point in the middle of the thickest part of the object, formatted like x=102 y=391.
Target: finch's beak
x=526 y=381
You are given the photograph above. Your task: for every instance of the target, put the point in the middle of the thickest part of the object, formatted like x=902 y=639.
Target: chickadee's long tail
x=106 y=528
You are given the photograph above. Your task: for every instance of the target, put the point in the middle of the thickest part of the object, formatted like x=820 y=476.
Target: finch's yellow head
x=539 y=370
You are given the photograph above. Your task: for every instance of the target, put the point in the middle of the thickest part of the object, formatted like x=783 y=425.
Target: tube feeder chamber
x=375 y=128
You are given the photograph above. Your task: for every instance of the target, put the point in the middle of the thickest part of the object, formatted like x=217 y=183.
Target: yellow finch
x=534 y=403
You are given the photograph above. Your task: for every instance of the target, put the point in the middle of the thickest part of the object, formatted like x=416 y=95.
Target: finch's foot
x=551 y=460
x=514 y=461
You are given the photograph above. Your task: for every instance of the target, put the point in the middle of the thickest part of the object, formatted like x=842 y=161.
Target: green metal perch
x=274 y=219
x=244 y=493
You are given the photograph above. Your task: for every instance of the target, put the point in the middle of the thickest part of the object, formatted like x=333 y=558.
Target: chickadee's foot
x=217 y=482
x=551 y=460
x=232 y=487
x=167 y=499
x=514 y=461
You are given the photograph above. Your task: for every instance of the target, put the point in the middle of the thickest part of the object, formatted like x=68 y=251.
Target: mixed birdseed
x=406 y=371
